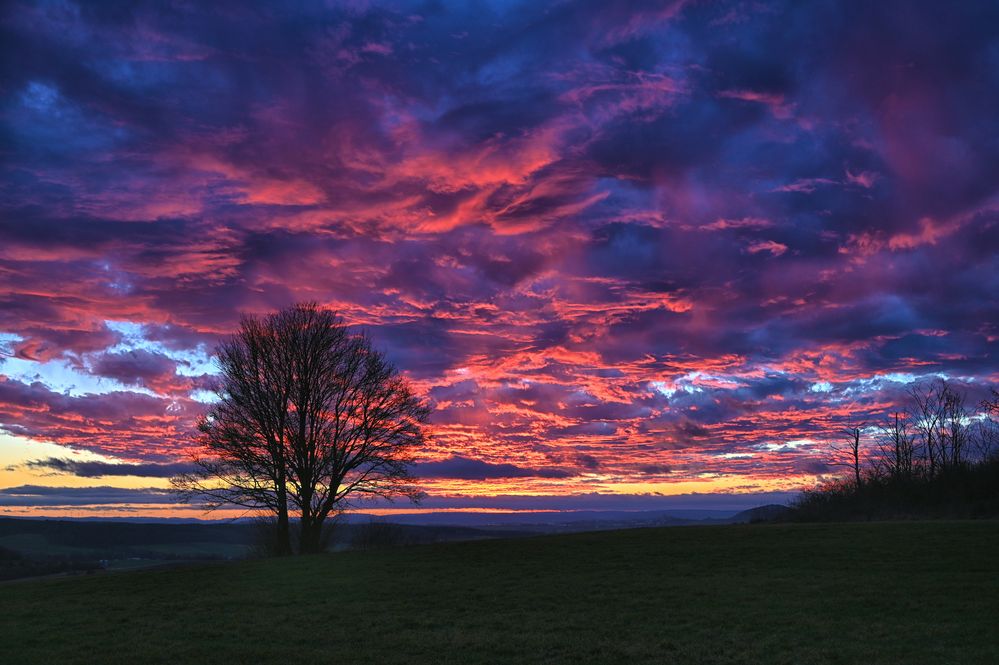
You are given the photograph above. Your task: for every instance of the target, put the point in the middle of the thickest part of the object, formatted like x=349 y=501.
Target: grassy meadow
x=902 y=592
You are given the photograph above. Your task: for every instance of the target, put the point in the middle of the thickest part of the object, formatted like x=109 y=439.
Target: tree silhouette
x=988 y=428
x=896 y=447
x=850 y=454
x=309 y=415
x=933 y=456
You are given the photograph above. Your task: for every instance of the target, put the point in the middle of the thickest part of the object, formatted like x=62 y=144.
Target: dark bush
x=963 y=492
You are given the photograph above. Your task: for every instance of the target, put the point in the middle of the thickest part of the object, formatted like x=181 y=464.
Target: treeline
x=15 y=565
x=937 y=457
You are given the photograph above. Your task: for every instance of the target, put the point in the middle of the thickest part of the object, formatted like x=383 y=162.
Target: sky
x=635 y=255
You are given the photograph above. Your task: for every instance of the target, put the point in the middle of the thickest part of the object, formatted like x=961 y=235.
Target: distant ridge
x=768 y=513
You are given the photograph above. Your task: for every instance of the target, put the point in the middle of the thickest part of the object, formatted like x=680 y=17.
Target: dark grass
x=794 y=593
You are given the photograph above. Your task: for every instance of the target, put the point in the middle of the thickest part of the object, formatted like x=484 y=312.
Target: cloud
x=40 y=495
x=610 y=242
x=605 y=501
x=98 y=469
x=119 y=423
x=137 y=368
x=775 y=248
x=469 y=469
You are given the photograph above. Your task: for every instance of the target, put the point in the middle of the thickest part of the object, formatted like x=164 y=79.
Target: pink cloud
x=775 y=248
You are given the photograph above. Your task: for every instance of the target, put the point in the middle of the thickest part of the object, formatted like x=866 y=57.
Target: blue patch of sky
x=204 y=396
x=880 y=381
x=195 y=361
x=67 y=376
x=7 y=341
x=41 y=116
x=62 y=376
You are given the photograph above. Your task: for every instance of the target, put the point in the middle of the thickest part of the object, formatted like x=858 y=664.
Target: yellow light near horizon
x=728 y=484
x=126 y=510
x=16 y=452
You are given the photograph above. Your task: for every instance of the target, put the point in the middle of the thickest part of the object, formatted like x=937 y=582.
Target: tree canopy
x=309 y=415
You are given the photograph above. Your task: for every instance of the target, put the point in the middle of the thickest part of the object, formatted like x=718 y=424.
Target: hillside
x=36 y=547
x=788 y=593
x=33 y=547
x=768 y=513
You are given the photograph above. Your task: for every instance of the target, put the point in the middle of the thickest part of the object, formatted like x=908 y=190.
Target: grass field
x=854 y=593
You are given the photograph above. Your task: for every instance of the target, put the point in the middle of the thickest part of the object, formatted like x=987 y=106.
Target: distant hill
x=560 y=521
x=31 y=547
x=768 y=513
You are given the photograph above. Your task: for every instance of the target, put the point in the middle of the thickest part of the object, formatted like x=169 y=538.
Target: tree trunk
x=311 y=538
x=929 y=449
x=282 y=544
x=856 y=455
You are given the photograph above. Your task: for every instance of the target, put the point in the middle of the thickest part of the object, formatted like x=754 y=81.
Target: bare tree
x=926 y=415
x=243 y=433
x=954 y=425
x=987 y=430
x=992 y=405
x=849 y=454
x=356 y=421
x=896 y=448
x=321 y=417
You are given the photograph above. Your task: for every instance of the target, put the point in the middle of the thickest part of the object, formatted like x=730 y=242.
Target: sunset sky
x=636 y=255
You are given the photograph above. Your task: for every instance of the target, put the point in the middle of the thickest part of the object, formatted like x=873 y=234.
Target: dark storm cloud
x=469 y=469
x=38 y=495
x=97 y=469
x=135 y=367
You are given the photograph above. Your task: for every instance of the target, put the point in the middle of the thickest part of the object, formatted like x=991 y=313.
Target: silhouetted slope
x=766 y=513
x=66 y=545
x=966 y=492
